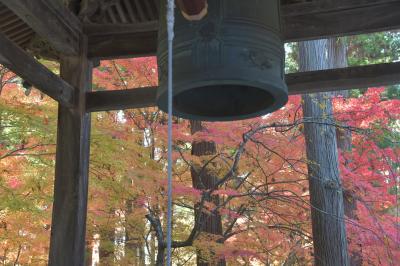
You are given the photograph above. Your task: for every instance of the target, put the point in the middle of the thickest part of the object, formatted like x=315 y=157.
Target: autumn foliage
x=261 y=166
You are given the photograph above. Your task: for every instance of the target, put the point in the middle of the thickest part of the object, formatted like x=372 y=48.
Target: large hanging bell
x=227 y=66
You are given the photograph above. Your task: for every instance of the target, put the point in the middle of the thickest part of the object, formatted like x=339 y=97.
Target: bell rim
x=279 y=93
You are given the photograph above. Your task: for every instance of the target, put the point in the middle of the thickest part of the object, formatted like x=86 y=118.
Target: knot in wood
x=332 y=184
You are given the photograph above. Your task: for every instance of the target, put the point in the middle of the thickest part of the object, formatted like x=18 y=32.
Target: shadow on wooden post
x=67 y=244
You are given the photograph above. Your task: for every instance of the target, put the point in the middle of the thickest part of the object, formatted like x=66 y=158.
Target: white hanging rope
x=170 y=29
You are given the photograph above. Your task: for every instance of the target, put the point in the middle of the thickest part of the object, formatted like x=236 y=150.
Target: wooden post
x=67 y=243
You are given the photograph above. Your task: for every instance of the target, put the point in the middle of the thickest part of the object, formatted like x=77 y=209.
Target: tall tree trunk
x=89 y=251
x=210 y=223
x=153 y=248
x=142 y=255
x=133 y=244
x=326 y=195
x=106 y=248
x=337 y=55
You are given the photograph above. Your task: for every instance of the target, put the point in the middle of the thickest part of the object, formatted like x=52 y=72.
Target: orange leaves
x=369 y=109
x=126 y=73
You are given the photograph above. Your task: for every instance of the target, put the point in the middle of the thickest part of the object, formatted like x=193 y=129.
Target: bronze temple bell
x=228 y=65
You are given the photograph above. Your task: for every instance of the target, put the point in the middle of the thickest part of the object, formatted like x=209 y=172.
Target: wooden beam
x=67 y=243
x=321 y=19
x=344 y=78
x=25 y=66
x=303 y=7
x=108 y=41
x=121 y=99
x=298 y=83
x=303 y=21
x=51 y=21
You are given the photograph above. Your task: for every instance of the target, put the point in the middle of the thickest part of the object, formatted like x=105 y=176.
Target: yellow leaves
x=15 y=231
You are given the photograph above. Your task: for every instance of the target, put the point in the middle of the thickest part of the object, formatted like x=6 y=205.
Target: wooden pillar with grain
x=67 y=243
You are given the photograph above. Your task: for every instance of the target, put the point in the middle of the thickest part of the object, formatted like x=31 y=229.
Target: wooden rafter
x=326 y=18
x=24 y=65
x=298 y=83
x=51 y=21
x=120 y=40
x=303 y=21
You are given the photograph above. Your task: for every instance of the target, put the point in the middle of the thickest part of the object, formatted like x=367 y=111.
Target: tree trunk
x=107 y=245
x=153 y=248
x=337 y=55
x=133 y=244
x=142 y=255
x=210 y=223
x=89 y=250
x=326 y=195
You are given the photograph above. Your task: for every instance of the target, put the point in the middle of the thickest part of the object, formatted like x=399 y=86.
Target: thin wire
x=170 y=25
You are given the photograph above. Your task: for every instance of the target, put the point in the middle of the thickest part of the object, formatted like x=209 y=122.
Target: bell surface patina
x=227 y=66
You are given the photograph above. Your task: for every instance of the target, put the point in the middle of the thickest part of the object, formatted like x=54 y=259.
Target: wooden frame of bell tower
x=101 y=32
